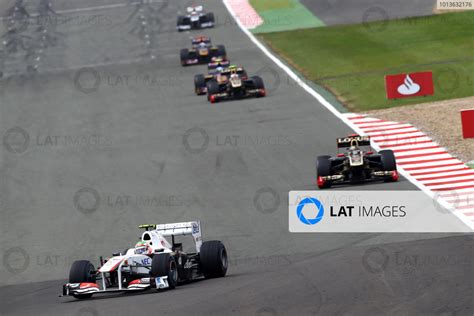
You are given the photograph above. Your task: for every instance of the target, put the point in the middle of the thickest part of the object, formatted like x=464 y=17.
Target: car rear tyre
x=221 y=51
x=211 y=17
x=388 y=160
x=258 y=82
x=165 y=265
x=212 y=89
x=180 y=21
x=323 y=169
x=199 y=84
x=213 y=258
x=184 y=54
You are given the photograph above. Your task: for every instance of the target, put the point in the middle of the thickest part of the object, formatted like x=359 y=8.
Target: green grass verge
x=471 y=164
x=284 y=15
x=266 y=5
x=351 y=61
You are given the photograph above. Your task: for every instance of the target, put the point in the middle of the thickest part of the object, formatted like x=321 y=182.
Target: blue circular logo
x=310 y=221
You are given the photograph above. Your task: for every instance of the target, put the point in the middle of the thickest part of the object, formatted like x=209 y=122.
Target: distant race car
x=195 y=19
x=218 y=66
x=154 y=263
x=202 y=52
x=233 y=83
x=355 y=165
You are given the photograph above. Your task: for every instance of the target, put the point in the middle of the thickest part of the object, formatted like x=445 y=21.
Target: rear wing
x=196 y=41
x=353 y=140
x=227 y=71
x=175 y=229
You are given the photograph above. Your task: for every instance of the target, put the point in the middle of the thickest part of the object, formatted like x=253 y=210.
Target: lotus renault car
x=234 y=84
x=355 y=165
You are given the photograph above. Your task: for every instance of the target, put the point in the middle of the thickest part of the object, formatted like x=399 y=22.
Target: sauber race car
x=355 y=165
x=154 y=263
x=195 y=19
x=202 y=52
x=234 y=84
x=215 y=68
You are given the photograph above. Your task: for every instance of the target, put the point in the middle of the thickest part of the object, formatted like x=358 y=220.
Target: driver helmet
x=144 y=246
x=221 y=79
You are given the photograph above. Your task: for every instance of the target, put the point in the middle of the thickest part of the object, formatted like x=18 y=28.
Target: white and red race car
x=154 y=263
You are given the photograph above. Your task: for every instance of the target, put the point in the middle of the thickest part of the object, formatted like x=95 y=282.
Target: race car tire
x=184 y=54
x=323 y=169
x=221 y=51
x=180 y=22
x=258 y=82
x=213 y=258
x=165 y=265
x=212 y=88
x=82 y=272
x=211 y=18
x=388 y=160
x=389 y=163
x=199 y=84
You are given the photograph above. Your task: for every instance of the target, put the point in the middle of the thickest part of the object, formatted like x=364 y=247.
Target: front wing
x=83 y=289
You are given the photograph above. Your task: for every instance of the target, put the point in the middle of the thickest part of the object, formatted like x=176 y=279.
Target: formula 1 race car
x=355 y=165
x=202 y=52
x=233 y=83
x=217 y=67
x=195 y=19
x=154 y=263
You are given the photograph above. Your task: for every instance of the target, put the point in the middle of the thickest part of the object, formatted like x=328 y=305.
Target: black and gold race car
x=233 y=83
x=202 y=52
x=355 y=165
x=216 y=67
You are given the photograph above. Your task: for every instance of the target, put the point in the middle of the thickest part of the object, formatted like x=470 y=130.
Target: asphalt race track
x=122 y=144
x=334 y=12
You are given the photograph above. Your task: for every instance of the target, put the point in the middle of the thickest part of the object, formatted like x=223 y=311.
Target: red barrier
x=467 y=118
